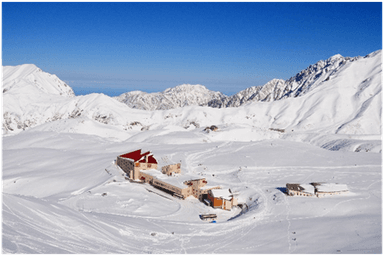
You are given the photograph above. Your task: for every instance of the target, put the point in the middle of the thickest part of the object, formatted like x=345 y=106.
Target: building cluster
x=143 y=167
x=318 y=189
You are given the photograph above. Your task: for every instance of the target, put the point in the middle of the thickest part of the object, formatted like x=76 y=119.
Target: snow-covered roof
x=177 y=181
x=308 y=188
x=209 y=187
x=331 y=187
x=152 y=172
x=222 y=193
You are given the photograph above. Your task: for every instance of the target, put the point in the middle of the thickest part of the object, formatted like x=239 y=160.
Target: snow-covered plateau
x=63 y=193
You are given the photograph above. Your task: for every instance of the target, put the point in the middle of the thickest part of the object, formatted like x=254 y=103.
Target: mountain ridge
x=275 y=89
x=337 y=96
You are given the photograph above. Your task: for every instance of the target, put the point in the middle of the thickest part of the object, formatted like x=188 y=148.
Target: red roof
x=137 y=156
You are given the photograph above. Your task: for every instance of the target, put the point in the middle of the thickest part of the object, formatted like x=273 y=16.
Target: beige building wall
x=148 y=178
x=172 y=168
x=322 y=194
x=298 y=193
x=133 y=168
x=179 y=191
x=227 y=205
x=142 y=166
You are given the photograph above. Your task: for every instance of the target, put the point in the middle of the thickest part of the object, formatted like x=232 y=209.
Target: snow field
x=62 y=192
x=50 y=207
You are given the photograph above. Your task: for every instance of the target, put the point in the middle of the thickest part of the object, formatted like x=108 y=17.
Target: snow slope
x=63 y=194
x=30 y=79
x=346 y=101
x=276 y=89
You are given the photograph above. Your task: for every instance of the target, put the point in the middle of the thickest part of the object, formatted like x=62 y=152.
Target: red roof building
x=132 y=162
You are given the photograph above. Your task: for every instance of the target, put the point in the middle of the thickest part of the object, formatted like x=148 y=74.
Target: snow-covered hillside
x=62 y=192
x=179 y=96
x=346 y=100
x=276 y=89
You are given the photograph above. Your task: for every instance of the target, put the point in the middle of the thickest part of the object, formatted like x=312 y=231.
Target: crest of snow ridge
x=30 y=79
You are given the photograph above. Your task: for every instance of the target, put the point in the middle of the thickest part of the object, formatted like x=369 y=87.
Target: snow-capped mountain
x=60 y=173
x=296 y=86
x=340 y=95
x=267 y=92
x=276 y=89
x=179 y=96
x=30 y=79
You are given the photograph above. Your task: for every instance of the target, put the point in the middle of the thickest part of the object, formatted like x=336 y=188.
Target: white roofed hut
x=324 y=189
x=300 y=189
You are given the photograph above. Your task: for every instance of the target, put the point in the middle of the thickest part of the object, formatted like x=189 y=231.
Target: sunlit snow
x=62 y=192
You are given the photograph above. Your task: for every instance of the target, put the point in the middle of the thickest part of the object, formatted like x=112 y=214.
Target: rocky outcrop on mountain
x=276 y=89
x=268 y=92
x=176 y=97
x=296 y=86
x=339 y=95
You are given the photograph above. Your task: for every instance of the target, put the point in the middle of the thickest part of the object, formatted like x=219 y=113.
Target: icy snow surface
x=62 y=192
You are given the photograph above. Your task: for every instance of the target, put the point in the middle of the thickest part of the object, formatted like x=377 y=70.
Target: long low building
x=181 y=185
x=318 y=189
x=171 y=184
x=324 y=189
x=143 y=167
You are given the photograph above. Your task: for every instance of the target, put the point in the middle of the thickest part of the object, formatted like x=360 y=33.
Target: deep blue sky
x=119 y=47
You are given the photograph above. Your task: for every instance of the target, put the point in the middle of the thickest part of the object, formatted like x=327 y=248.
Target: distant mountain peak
x=28 y=77
x=175 y=97
x=335 y=57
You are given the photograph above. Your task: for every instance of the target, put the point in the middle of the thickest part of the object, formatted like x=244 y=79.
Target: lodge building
x=142 y=167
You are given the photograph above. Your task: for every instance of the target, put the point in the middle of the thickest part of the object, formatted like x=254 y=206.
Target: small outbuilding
x=221 y=198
